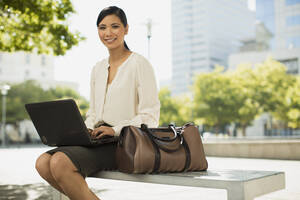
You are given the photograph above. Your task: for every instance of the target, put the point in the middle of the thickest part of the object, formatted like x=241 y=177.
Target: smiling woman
x=123 y=92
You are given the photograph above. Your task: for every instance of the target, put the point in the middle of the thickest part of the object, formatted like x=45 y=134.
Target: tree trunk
x=244 y=131
x=218 y=128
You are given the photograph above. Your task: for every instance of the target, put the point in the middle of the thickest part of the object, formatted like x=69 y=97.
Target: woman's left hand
x=102 y=131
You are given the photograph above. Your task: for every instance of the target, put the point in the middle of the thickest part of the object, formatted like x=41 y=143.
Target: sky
x=78 y=62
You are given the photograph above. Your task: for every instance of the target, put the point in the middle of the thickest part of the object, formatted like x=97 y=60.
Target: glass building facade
x=282 y=18
x=265 y=12
x=204 y=33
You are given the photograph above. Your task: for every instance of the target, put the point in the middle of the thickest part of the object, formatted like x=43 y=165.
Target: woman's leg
x=69 y=180
x=42 y=165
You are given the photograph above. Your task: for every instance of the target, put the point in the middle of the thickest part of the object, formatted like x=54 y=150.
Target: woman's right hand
x=103 y=131
x=90 y=131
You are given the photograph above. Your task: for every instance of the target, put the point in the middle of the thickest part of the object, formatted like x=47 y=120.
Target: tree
x=248 y=106
x=293 y=103
x=274 y=86
x=28 y=25
x=173 y=109
x=185 y=111
x=29 y=92
x=19 y=95
x=215 y=99
x=221 y=97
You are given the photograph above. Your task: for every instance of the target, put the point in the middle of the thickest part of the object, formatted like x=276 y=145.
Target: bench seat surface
x=217 y=175
x=240 y=184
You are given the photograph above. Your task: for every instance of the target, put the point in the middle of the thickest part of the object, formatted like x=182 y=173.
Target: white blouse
x=130 y=99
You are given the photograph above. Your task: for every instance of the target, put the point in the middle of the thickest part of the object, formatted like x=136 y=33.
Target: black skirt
x=89 y=160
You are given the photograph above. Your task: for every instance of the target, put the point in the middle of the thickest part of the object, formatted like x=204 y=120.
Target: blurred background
x=230 y=66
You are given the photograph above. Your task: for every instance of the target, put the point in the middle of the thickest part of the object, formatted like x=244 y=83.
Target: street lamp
x=4 y=90
x=149 y=34
x=149 y=24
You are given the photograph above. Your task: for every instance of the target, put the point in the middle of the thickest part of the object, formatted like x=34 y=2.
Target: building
x=257 y=50
x=261 y=40
x=289 y=57
x=282 y=18
x=20 y=66
x=204 y=33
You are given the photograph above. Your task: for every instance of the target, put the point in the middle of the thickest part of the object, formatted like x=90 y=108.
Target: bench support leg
x=237 y=193
x=251 y=189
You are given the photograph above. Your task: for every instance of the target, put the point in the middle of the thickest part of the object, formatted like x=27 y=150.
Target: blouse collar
x=107 y=63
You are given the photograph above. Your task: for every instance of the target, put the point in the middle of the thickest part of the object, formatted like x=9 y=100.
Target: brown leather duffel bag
x=153 y=150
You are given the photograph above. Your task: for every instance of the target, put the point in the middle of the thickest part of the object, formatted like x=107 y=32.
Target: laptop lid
x=59 y=122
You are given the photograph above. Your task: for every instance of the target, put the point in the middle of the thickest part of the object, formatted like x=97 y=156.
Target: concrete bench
x=240 y=184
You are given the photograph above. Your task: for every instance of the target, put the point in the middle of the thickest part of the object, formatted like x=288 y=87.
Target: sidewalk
x=18 y=177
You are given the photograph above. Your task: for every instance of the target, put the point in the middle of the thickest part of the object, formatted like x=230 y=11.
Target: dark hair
x=113 y=10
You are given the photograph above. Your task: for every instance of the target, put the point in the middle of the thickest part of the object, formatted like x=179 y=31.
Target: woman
x=123 y=92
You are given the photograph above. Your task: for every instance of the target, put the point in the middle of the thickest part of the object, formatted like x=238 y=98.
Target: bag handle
x=145 y=128
x=159 y=142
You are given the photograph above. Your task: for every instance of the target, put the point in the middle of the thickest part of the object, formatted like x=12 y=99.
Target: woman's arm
x=91 y=115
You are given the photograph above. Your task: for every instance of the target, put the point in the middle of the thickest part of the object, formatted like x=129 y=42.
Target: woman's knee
x=60 y=164
x=42 y=165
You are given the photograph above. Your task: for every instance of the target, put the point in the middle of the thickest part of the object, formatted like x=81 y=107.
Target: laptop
x=59 y=123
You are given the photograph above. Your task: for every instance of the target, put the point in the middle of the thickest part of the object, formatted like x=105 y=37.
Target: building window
x=27 y=59
x=43 y=74
x=43 y=60
x=292 y=65
x=198 y=44
x=198 y=59
x=215 y=59
x=293 y=20
x=0 y=57
x=265 y=13
x=291 y=2
x=293 y=42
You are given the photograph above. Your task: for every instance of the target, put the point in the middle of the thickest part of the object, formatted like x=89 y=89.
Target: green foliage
x=19 y=95
x=67 y=93
x=289 y=109
x=272 y=83
x=216 y=98
x=173 y=109
x=248 y=107
x=222 y=98
x=29 y=92
x=28 y=25
x=276 y=89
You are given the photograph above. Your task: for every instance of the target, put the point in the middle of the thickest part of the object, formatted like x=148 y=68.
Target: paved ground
x=19 y=181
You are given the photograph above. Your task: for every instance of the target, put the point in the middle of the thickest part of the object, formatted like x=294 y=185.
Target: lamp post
x=4 y=90
x=149 y=34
